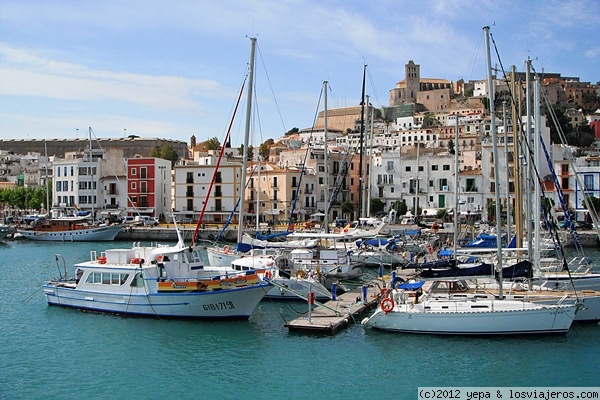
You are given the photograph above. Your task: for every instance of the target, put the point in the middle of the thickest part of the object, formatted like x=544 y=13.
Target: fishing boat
x=156 y=281
x=70 y=229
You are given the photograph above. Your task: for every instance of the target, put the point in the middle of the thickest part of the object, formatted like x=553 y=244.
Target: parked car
x=147 y=221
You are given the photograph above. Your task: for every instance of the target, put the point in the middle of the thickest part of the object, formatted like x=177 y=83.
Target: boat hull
x=103 y=233
x=237 y=303
x=296 y=289
x=502 y=321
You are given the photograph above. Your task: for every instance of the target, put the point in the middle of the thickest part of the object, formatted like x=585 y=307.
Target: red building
x=148 y=186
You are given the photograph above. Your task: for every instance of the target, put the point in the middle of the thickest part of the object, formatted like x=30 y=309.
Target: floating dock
x=328 y=318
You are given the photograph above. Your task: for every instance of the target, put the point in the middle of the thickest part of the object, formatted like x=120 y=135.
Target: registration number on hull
x=224 y=305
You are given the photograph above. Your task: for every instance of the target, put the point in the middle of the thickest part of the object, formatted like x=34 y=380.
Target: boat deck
x=328 y=318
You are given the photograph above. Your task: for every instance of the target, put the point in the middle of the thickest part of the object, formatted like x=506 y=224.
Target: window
x=446 y=167
x=434 y=167
x=134 y=171
x=408 y=168
x=133 y=185
x=143 y=172
x=588 y=182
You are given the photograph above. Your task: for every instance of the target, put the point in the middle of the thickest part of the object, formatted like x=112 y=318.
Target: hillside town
x=395 y=160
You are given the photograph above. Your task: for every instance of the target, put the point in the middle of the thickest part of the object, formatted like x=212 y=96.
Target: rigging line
x=271 y=87
x=214 y=177
x=569 y=156
x=474 y=60
x=303 y=166
x=373 y=87
x=530 y=152
x=121 y=185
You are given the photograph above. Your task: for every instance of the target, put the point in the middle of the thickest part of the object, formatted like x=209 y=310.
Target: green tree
x=347 y=207
x=451 y=146
x=429 y=119
x=442 y=213
x=166 y=152
x=212 y=144
x=250 y=151
x=263 y=150
x=292 y=131
x=377 y=206
x=595 y=203
x=400 y=207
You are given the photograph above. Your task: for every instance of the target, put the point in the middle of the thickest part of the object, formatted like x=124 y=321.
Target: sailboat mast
x=508 y=203
x=365 y=207
x=536 y=153
x=46 y=180
x=370 y=164
x=246 y=140
x=325 y=158
x=495 y=152
x=92 y=174
x=361 y=144
x=456 y=188
x=527 y=154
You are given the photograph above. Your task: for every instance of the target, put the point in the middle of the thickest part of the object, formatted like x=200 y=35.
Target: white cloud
x=27 y=74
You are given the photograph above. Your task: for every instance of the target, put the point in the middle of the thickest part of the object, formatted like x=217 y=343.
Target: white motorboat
x=285 y=286
x=157 y=281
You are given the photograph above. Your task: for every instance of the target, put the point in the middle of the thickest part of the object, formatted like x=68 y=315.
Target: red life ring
x=430 y=249
x=268 y=274
x=226 y=249
x=387 y=305
x=102 y=260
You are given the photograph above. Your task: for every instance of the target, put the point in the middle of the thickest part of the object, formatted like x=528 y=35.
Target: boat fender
x=387 y=305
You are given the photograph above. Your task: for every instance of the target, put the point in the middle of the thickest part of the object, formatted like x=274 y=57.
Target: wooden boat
x=70 y=229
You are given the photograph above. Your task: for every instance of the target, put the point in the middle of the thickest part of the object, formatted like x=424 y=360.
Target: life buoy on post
x=226 y=249
x=387 y=305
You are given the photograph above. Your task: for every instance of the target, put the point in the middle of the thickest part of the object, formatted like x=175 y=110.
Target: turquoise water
x=50 y=352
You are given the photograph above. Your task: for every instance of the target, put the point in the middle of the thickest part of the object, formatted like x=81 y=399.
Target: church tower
x=412 y=74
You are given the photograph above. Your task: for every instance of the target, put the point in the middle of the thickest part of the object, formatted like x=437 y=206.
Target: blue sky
x=172 y=69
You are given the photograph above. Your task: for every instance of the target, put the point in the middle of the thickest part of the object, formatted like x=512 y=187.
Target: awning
x=300 y=211
x=272 y=211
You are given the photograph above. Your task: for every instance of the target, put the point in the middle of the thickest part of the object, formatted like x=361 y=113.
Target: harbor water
x=51 y=352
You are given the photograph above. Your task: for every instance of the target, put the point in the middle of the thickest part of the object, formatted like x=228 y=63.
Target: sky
x=173 y=69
